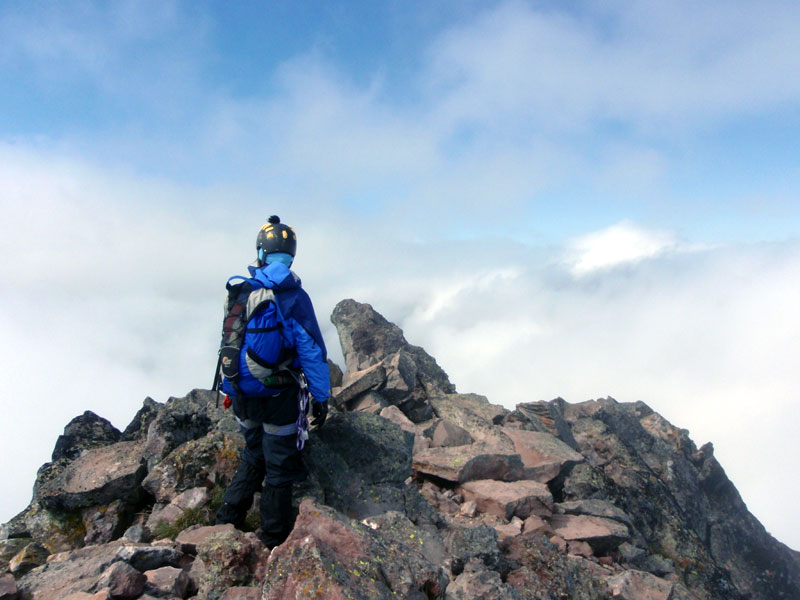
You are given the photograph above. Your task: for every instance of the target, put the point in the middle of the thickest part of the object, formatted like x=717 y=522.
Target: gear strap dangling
x=303 y=399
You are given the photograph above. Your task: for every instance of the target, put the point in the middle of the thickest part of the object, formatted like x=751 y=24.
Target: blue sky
x=588 y=198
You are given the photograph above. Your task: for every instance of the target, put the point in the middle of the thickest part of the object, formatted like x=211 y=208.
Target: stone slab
x=509 y=499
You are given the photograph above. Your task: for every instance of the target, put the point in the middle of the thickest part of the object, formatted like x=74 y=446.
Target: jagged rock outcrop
x=414 y=491
x=379 y=359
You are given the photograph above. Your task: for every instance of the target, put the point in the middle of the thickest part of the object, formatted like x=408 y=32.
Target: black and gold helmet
x=274 y=236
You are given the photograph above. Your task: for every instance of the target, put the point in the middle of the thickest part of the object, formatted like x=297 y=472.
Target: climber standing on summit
x=272 y=357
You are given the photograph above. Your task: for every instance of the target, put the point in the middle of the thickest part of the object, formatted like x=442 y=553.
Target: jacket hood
x=276 y=276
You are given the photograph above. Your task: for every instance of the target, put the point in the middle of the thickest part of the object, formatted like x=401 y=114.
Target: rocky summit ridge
x=414 y=491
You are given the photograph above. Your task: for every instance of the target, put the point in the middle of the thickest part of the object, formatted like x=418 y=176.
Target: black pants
x=271 y=459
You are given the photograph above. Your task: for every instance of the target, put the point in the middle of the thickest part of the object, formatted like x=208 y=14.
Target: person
x=268 y=410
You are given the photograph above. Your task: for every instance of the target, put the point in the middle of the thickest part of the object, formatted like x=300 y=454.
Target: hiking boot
x=270 y=540
x=228 y=513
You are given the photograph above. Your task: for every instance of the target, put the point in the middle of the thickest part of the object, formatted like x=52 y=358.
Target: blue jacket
x=300 y=328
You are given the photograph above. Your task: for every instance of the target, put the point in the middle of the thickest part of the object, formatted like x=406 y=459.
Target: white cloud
x=124 y=277
x=619 y=244
x=639 y=62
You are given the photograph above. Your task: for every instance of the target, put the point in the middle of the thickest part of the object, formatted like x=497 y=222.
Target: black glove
x=319 y=412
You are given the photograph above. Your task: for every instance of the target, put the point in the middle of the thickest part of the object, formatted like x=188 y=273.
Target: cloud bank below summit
x=128 y=299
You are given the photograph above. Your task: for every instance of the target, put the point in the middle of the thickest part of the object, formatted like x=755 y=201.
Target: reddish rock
x=327 y=555
x=122 y=581
x=542 y=570
x=357 y=383
x=190 y=538
x=401 y=376
x=144 y=557
x=104 y=523
x=371 y=402
x=396 y=416
x=638 y=585
x=30 y=557
x=163 y=514
x=536 y=523
x=469 y=509
x=579 y=548
x=99 y=477
x=479 y=583
x=68 y=572
x=230 y=558
x=9 y=549
x=508 y=530
x=507 y=499
x=242 y=593
x=543 y=454
x=559 y=542
x=601 y=533
x=192 y=498
x=8 y=587
x=472 y=412
x=447 y=434
x=196 y=463
x=469 y=463
x=420 y=443
x=167 y=582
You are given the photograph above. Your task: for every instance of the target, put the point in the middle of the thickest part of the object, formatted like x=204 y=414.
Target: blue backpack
x=253 y=354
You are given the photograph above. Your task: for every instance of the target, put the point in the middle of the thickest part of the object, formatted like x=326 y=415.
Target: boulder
x=328 y=555
x=190 y=538
x=460 y=464
x=447 y=434
x=230 y=558
x=241 y=593
x=508 y=499
x=367 y=339
x=412 y=375
x=203 y=462
x=358 y=383
x=510 y=529
x=539 y=569
x=371 y=402
x=137 y=428
x=637 y=585
x=15 y=528
x=336 y=375
x=10 y=548
x=396 y=416
x=545 y=456
x=30 y=557
x=467 y=543
x=68 y=572
x=473 y=413
x=596 y=508
x=8 y=587
x=477 y=582
x=401 y=376
x=106 y=523
x=98 y=477
x=359 y=463
x=184 y=419
x=146 y=558
x=366 y=336
x=167 y=582
x=601 y=533
x=546 y=417
x=122 y=581
x=55 y=530
x=189 y=500
x=82 y=433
